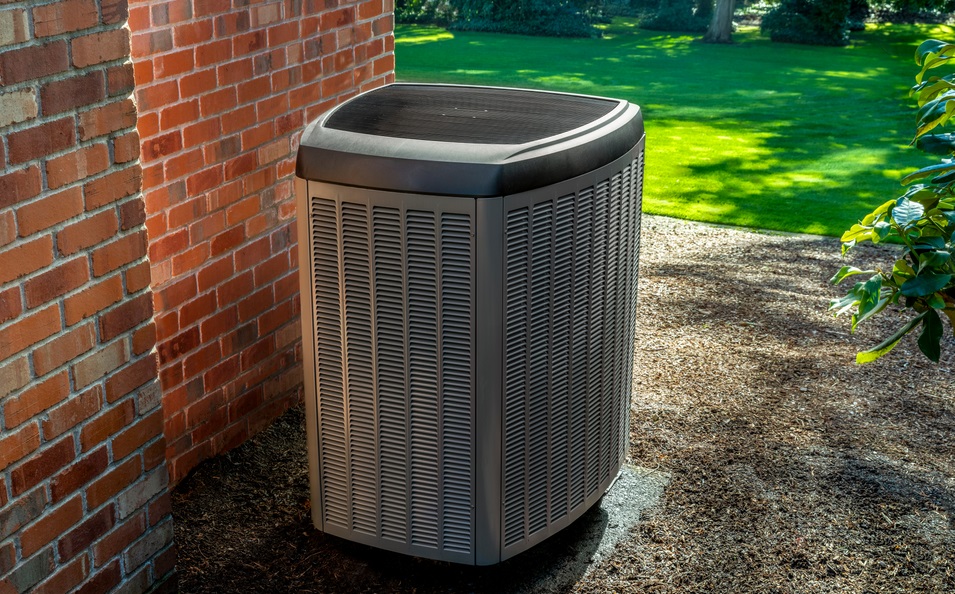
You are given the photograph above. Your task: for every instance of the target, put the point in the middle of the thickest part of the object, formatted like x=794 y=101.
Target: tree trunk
x=721 y=27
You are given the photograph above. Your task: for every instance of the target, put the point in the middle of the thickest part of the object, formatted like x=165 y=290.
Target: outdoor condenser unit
x=469 y=273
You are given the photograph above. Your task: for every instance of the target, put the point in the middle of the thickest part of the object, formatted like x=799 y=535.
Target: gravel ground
x=790 y=468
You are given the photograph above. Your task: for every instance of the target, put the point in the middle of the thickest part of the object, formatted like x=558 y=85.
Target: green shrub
x=813 y=22
x=554 y=18
x=437 y=12
x=922 y=279
x=692 y=16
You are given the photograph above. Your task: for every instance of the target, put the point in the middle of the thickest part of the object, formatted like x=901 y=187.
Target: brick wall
x=224 y=88
x=83 y=480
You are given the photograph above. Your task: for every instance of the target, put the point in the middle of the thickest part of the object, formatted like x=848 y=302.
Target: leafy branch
x=922 y=220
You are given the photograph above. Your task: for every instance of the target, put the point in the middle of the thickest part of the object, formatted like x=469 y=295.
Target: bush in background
x=692 y=16
x=814 y=22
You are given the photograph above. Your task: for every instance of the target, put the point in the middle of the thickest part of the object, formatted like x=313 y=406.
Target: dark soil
x=792 y=468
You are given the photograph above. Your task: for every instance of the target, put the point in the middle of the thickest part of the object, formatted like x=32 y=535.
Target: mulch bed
x=792 y=469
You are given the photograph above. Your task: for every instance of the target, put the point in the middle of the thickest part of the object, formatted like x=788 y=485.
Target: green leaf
x=881 y=231
x=847 y=271
x=934 y=113
x=856 y=233
x=931 y=336
x=934 y=259
x=924 y=284
x=935 y=302
x=928 y=47
x=889 y=343
x=930 y=171
x=930 y=89
x=901 y=271
x=937 y=144
x=870 y=299
x=930 y=243
x=907 y=212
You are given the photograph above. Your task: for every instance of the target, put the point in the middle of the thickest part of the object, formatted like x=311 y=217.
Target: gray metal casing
x=468 y=360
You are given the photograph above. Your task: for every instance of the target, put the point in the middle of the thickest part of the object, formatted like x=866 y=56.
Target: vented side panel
x=394 y=317
x=570 y=283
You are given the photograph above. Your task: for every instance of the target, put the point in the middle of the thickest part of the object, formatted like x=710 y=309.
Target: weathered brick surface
x=77 y=365
x=223 y=93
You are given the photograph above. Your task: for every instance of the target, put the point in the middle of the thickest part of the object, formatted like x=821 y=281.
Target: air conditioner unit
x=469 y=270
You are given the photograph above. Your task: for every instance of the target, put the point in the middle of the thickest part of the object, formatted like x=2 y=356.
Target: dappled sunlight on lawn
x=780 y=136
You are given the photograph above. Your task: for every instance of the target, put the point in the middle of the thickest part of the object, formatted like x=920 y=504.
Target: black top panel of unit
x=451 y=140
x=467 y=114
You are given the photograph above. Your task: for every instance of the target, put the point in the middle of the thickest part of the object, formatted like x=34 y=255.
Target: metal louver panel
x=394 y=325
x=570 y=271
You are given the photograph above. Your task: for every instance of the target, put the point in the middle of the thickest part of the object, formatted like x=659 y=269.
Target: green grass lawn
x=758 y=134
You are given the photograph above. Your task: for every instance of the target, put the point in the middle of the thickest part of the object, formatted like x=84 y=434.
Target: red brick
x=8 y=227
x=109 y=422
x=253 y=137
x=252 y=254
x=81 y=537
x=213 y=52
x=112 y=187
x=100 y=47
x=203 y=359
x=200 y=133
x=51 y=525
x=234 y=289
x=132 y=214
x=100 y=363
x=67 y=578
x=190 y=259
x=119 y=253
x=186 y=341
x=8 y=554
x=49 y=210
x=137 y=278
x=27 y=331
x=239 y=119
x=218 y=101
x=173 y=63
x=33 y=62
x=130 y=378
x=121 y=537
x=275 y=317
x=114 y=481
x=171 y=375
x=219 y=324
x=56 y=282
x=145 y=44
x=87 y=232
x=160 y=508
x=41 y=140
x=255 y=304
x=63 y=348
x=93 y=299
x=194 y=33
x=109 y=118
x=18 y=186
x=104 y=581
x=11 y=305
x=214 y=273
x=41 y=465
x=114 y=11
x=234 y=72
x=154 y=148
x=71 y=93
x=126 y=148
x=284 y=33
x=178 y=114
x=36 y=399
x=272 y=108
x=136 y=435
x=17 y=445
x=76 y=409
x=144 y=339
x=221 y=373
x=204 y=180
x=120 y=80
x=14 y=374
x=79 y=473
x=125 y=316
x=155 y=96
x=164 y=247
x=64 y=17
x=182 y=165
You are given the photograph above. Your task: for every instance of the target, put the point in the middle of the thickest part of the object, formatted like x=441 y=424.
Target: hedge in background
x=814 y=22
x=692 y=16
x=554 y=18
